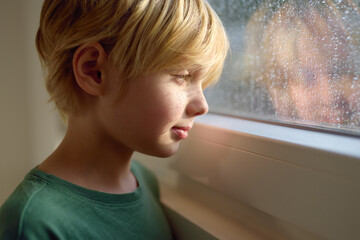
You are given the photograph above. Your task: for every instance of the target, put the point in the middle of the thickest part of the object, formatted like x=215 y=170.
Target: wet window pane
x=291 y=60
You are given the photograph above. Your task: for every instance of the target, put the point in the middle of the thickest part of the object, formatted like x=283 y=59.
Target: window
x=292 y=61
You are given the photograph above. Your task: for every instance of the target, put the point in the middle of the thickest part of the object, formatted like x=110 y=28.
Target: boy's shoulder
x=15 y=210
x=42 y=204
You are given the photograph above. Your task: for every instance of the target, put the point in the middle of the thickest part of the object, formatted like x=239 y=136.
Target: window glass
x=291 y=61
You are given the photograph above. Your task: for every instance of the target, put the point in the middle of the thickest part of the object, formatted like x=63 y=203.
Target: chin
x=165 y=155
x=163 y=151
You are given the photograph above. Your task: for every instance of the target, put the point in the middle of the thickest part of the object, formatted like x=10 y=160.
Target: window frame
x=304 y=178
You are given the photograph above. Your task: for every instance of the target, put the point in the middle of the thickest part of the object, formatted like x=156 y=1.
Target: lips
x=180 y=132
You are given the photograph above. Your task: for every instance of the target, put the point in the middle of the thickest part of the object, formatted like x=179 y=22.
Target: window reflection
x=306 y=50
x=305 y=55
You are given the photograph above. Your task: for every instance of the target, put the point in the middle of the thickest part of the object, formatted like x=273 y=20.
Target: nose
x=197 y=105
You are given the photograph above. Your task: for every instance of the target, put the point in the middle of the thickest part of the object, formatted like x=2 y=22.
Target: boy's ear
x=89 y=65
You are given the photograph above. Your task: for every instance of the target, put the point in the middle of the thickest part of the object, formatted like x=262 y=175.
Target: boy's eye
x=183 y=77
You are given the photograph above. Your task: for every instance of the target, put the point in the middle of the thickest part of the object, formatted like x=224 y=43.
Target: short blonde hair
x=140 y=36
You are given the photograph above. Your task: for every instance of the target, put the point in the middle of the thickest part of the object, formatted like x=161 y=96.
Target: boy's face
x=155 y=113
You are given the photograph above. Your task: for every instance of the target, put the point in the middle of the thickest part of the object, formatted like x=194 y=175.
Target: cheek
x=158 y=115
x=167 y=108
x=299 y=95
x=178 y=103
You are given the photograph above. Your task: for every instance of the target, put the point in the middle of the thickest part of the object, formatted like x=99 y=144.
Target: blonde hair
x=140 y=36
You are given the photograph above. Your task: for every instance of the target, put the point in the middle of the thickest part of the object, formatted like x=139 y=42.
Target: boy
x=128 y=75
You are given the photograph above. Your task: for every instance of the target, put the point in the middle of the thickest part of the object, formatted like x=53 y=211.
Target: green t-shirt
x=46 y=207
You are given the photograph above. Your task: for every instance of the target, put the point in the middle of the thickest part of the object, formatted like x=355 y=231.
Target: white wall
x=29 y=127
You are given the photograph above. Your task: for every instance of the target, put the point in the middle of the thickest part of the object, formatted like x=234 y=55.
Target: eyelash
x=183 y=77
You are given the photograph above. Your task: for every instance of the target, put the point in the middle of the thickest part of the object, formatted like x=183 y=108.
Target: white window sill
x=340 y=144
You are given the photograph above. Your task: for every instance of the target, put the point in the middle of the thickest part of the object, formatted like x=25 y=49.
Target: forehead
x=191 y=68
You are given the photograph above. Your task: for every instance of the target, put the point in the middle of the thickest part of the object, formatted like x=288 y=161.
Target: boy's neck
x=90 y=159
